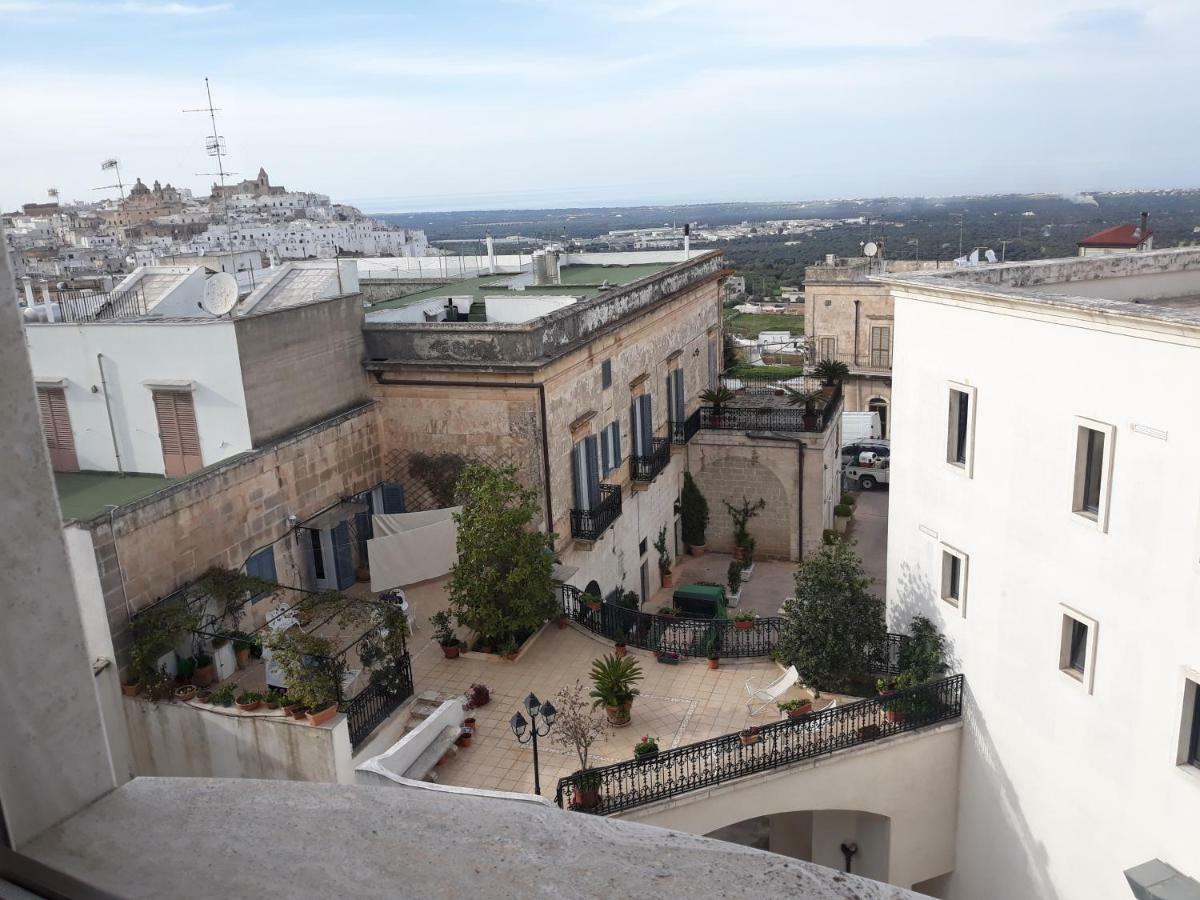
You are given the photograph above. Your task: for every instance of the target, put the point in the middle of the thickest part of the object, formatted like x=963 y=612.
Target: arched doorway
x=879 y=405
x=593 y=588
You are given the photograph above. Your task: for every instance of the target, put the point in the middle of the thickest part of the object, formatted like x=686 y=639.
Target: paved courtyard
x=763 y=594
x=678 y=704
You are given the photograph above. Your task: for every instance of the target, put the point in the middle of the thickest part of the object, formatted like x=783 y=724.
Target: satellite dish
x=220 y=294
x=870 y=248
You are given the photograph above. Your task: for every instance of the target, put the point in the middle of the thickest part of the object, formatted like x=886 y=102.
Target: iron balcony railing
x=371 y=707
x=684 y=431
x=772 y=418
x=85 y=306
x=753 y=384
x=589 y=524
x=637 y=782
x=678 y=635
x=647 y=468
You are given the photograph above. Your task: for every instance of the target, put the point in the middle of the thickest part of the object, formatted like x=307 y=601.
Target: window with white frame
x=1077 y=647
x=960 y=428
x=954 y=577
x=1093 y=470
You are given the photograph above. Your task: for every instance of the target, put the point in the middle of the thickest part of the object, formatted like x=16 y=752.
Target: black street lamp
x=537 y=710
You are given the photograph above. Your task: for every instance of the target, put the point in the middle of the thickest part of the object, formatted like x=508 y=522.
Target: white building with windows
x=1044 y=515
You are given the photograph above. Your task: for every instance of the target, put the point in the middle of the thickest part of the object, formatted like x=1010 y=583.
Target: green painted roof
x=577 y=281
x=84 y=495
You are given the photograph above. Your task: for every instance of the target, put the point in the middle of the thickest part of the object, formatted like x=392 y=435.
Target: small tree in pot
x=613 y=678
x=693 y=515
x=576 y=728
x=443 y=633
x=664 y=558
x=743 y=549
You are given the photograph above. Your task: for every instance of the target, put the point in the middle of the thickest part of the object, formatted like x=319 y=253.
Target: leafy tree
x=923 y=655
x=693 y=512
x=833 y=621
x=501 y=586
x=731 y=352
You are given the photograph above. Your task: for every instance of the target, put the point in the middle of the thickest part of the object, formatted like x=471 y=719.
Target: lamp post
x=537 y=710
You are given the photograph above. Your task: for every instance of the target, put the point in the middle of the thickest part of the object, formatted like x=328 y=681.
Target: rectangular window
x=314 y=538
x=585 y=473
x=960 y=428
x=1189 y=735
x=606 y=374
x=954 y=577
x=177 y=432
x=56 y=429
x=610 y=447
x=641 y=424
x=1077 y=647
x=826 y=348
x=881 y=347
x=1093 y=468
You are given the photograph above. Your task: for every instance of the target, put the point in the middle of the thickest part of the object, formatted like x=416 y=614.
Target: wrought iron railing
x=752 y=384
x=371 y=706
x=589 y=524
x=684 y=431
x=84 y=306
x=771 y=418
x=885 y=658
x=679 y=635
x=647 y=468
x=637 y=782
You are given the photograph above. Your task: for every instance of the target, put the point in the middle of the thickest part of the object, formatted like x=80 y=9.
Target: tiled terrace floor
x=763 y=594
x=678 y=704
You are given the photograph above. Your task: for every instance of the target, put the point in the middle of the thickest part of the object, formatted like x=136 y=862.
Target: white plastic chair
x=765 y=696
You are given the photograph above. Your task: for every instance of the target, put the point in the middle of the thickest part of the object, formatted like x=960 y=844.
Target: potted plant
x=362 y=573
x=443 y=633
x=664 y=558
x=693 y=516
x=586 y=794
x=576 y=727
x=322 y=711
x=841 y=517
x=743 y=549
x=185 y=692
x=241 y=647
x=160 y=686
x=204 y=696
x=831 y=372
x=273 y=699
x=591 y=601
x=613 y=679
x=795 y=709
x=646 y=747
x=206 y=671
x=478 y=695
x=619 y=648
x=718 y=398
x=465 y=737
x=749 y=736
x=248 y=701
x=869 y=732
x=223 y=696
x=132 y=686
x=714 y=655
x=667 y=657
x=509 y=649
x=848 y=500
x=811 y=401
x=830 y=536
x=733 y=577
x=185 y=666
x=743 y=621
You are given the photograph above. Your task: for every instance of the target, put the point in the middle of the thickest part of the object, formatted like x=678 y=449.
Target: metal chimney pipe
x=491 y=254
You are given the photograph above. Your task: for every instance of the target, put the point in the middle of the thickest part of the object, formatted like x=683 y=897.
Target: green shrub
x=830 y=536
x=848 y=500
x=843 y=510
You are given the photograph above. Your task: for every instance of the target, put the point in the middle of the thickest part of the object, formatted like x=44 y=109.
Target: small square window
x=1189 y=733
x=954 y=577
x=1093 y=465
x=606 y=374
x=960 y=428
x=1077 y=647
x=642 y=547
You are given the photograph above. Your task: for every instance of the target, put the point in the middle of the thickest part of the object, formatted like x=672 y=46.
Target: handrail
x=735 y=417
x=704 y=764
x=648 y=467
x=683 y=431
x=590 y=524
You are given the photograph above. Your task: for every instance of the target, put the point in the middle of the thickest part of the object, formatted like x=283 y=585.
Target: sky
x=403 y=106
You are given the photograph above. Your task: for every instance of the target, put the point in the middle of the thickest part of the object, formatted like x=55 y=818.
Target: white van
x=857 y=426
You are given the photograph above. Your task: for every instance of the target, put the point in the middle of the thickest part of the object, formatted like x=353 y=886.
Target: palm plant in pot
x=810 y=400
x=613 y=678
x=831 y=372
x=718 y=398
x=693 y=515
x=443 y=633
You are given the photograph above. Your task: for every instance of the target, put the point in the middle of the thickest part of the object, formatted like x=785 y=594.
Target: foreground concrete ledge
x=249 y=838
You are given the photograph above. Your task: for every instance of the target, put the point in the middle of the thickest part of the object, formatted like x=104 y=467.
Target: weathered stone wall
x=831 y=312
x=376 y=290
x=160 y=543
x=301 y=365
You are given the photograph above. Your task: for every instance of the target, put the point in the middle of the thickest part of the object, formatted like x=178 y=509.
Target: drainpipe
x=528 y=385
x=856 y=303
x=112 y=429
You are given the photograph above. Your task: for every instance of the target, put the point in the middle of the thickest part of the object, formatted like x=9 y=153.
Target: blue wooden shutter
x=579 y=490
x=680 y=403
x=634 y=432
x=605 y=453
x=616 y=442
x=343 y=555
x=393 y=497
x=593 y=479
x=646 y=423
x=670 y=395
x=262 y=564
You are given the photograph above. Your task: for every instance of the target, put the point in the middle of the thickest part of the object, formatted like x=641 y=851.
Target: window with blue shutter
x=615 y=442
x=605 y=453
x=393 y=497
x=261 y=564
x=645 y=424
x=670 y=395
x=680 y=412
x=585 y=474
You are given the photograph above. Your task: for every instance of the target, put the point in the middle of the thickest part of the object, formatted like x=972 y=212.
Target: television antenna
x=220 y=294
x=214 y=146
x=112 y=164
x=870 y=248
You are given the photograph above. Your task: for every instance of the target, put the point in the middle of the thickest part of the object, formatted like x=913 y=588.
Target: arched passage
x=879 y=405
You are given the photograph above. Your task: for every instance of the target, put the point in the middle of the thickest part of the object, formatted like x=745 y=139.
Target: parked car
x=850 y=452
x=869 y=469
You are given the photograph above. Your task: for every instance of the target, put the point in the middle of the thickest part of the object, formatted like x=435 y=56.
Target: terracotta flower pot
x=299 y=713
x=321 y=716
x=204 y=696
x=895 y=715
x=185 y=693
x=585 y=798
x=243 y=657
x=668 y=580
x=749 y=739
x=450 y=651
x=362 y=573
x=620 y=649
x=562 y=622
x=800 y=711
x=714 y=663
x=618 y=716
x=593 y=606
x=464 y=739
x=743 y=626
x=131 y=690
x=697 y=549
x=248 y=707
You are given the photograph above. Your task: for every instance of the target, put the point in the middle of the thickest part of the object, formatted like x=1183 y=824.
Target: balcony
x=590 y=524
x=646 y=468
x=683 y=431
x=761 y=414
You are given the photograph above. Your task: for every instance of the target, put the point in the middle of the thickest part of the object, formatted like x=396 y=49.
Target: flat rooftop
x=85 y=495
x=1158 y=285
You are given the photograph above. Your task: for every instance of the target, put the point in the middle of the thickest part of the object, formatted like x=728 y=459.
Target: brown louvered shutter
x=178 y=432
x=56 y=428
